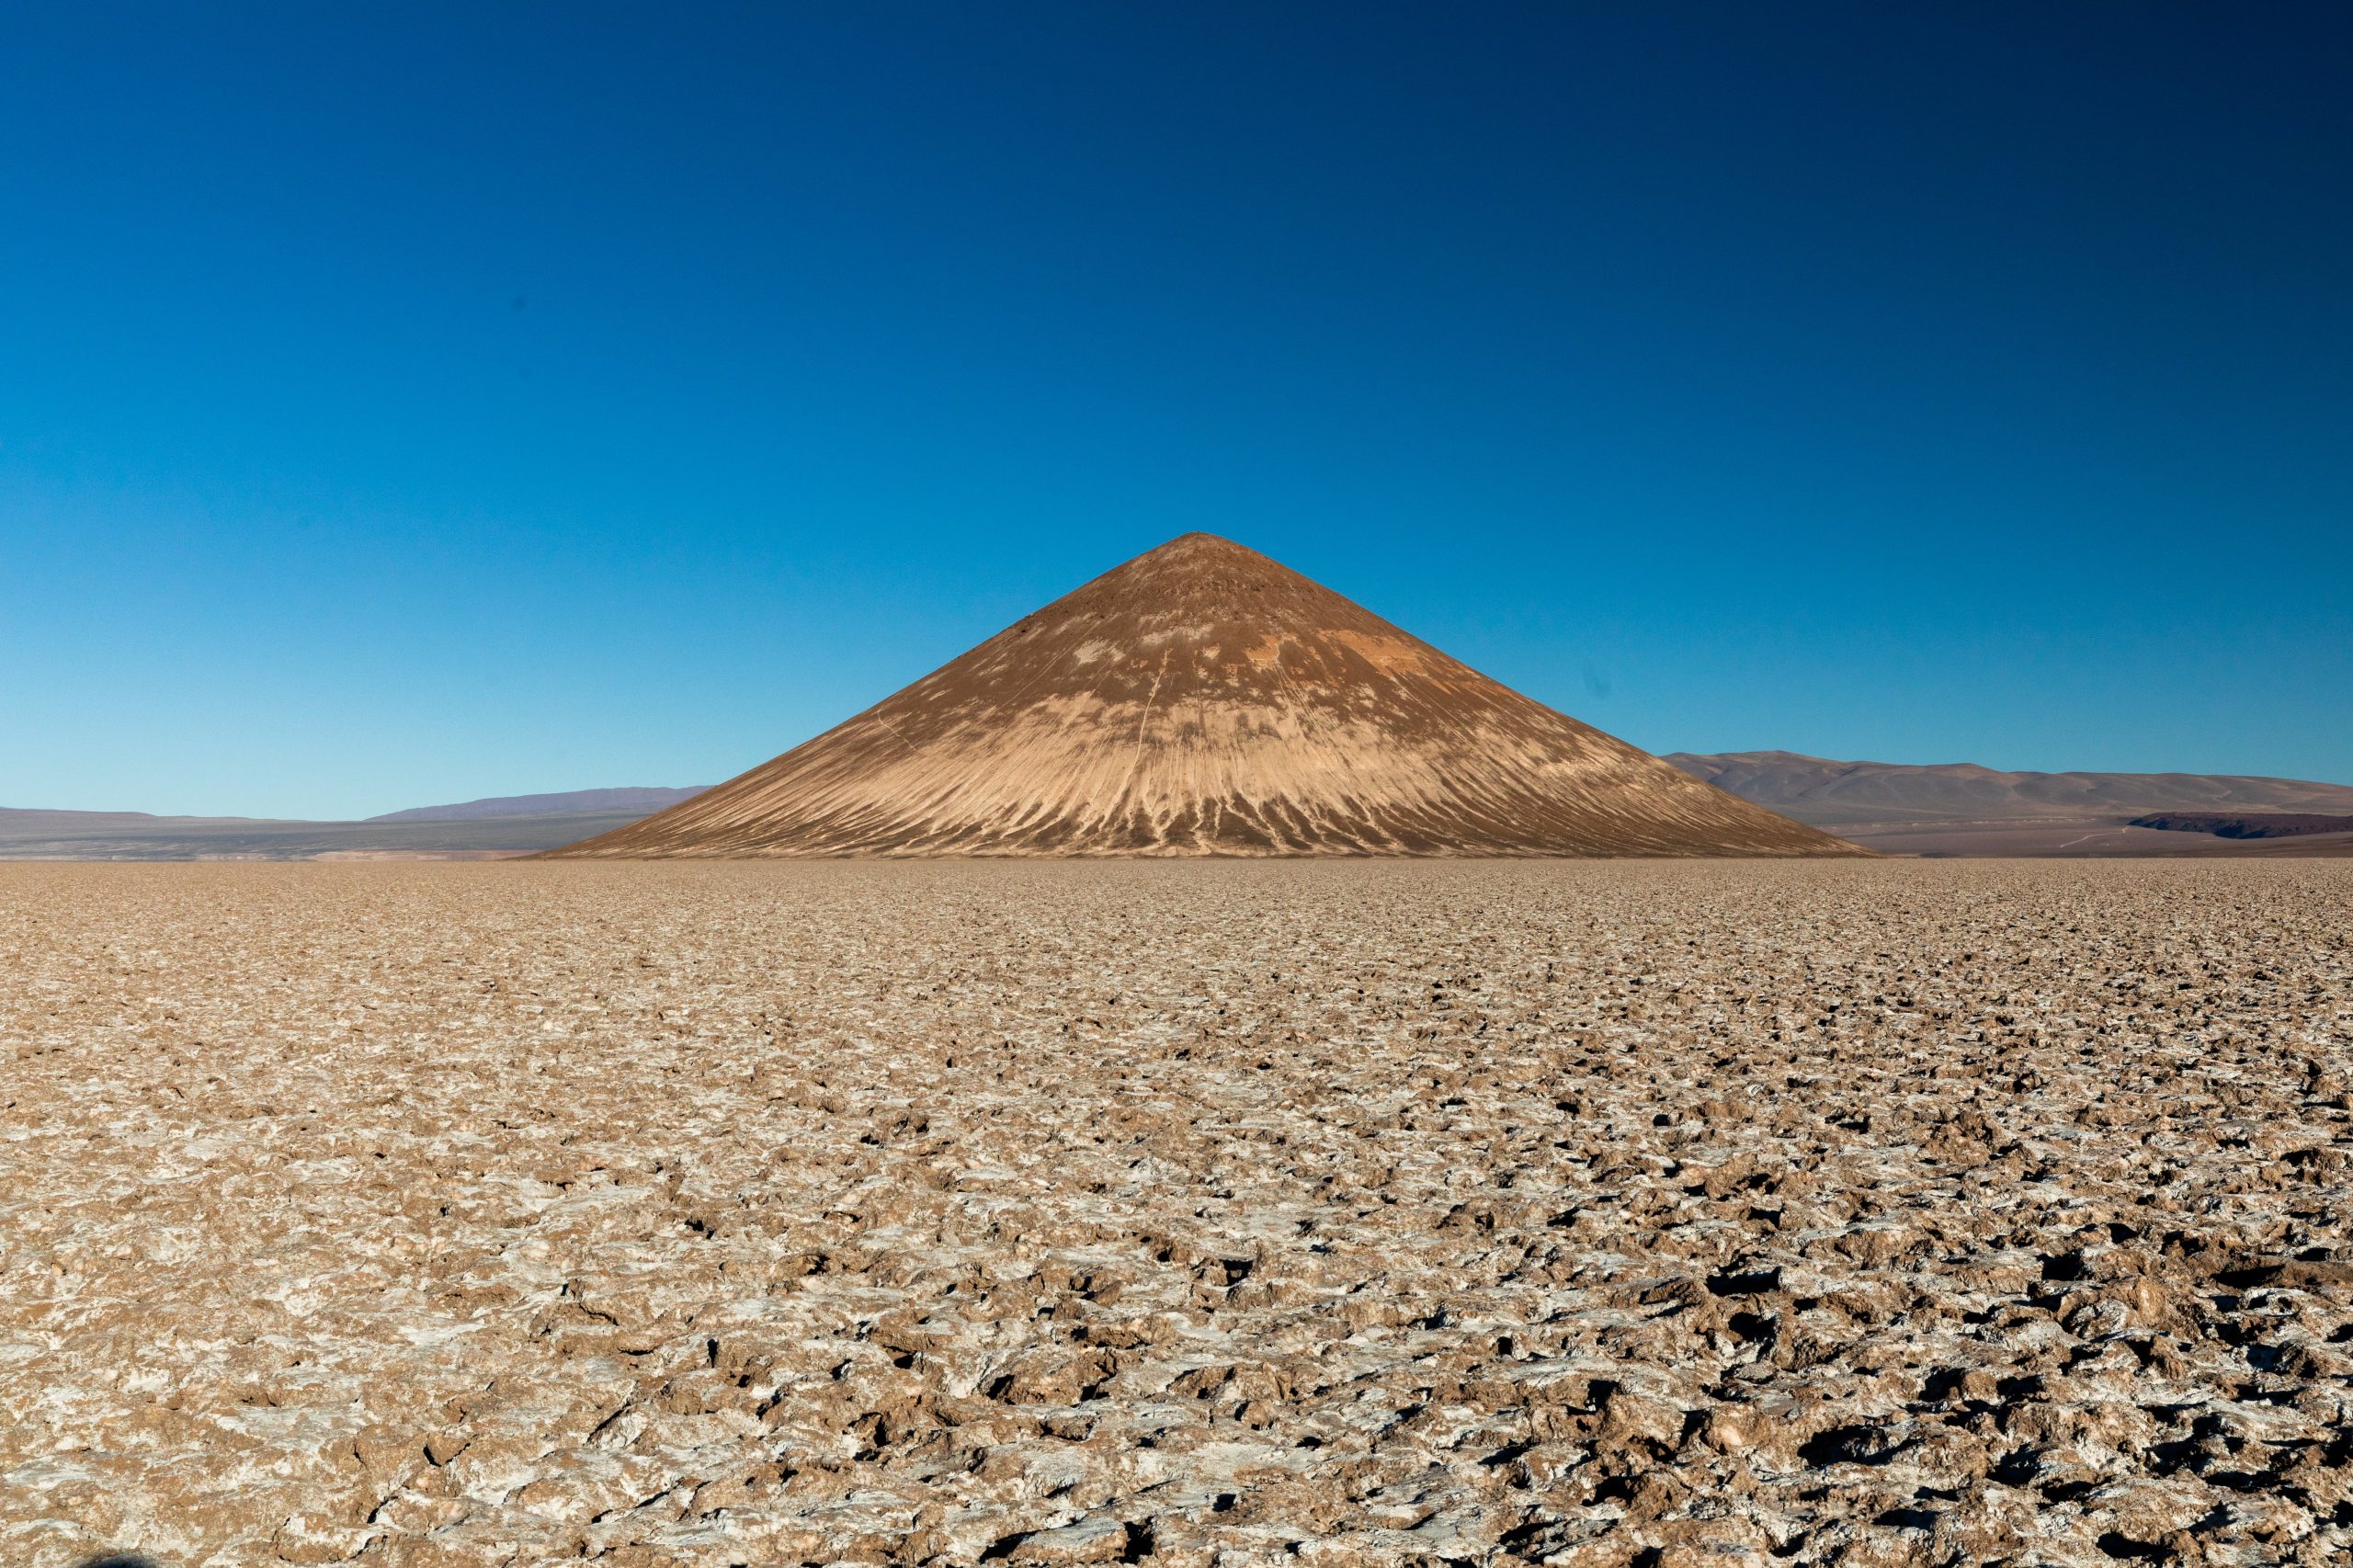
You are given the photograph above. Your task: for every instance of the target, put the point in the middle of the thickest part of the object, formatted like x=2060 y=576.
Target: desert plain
x=1186 y=1213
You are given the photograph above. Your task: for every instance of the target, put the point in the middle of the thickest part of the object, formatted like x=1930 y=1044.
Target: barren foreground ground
x=1176 y=1213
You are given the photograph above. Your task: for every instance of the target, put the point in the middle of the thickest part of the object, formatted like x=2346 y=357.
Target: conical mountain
x=1203 y=699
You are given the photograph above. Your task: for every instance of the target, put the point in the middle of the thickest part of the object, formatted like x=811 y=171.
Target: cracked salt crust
x=1342 y=1214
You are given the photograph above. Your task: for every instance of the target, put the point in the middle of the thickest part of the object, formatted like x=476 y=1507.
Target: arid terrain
x=1177 y=1212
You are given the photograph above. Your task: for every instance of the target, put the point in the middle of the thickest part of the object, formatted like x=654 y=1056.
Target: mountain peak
x=1194 y=567
x=1203 y=698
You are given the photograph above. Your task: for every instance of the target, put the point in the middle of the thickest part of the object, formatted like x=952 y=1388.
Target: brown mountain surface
x=1203 y=699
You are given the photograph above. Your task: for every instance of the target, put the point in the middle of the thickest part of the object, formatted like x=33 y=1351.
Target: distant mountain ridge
x=501 y=825
x=1828 y=792
x=2247 y=825
x=1895 y=808
x=646 y=800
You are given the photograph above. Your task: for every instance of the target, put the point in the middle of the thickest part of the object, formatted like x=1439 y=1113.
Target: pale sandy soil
x=1182 y=1213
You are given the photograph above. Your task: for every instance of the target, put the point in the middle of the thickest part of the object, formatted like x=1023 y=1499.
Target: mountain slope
x=1202 y=699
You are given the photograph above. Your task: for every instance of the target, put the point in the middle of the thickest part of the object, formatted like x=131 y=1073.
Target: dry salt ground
x=1176 y=1213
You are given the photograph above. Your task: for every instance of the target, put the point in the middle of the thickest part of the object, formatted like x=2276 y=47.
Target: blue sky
x=404 y=403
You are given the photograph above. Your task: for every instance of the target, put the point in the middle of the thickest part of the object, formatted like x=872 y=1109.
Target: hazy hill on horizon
x=1823 y=789
x=644 y=800
x=488 y=828
x=1964 y=809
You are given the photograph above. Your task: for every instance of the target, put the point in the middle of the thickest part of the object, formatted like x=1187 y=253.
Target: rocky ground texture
x=1226 y=1213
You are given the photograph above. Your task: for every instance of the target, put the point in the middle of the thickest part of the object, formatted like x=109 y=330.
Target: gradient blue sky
x=404 y=404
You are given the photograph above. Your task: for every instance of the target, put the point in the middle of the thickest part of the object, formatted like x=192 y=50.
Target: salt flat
x=1185 y=1213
